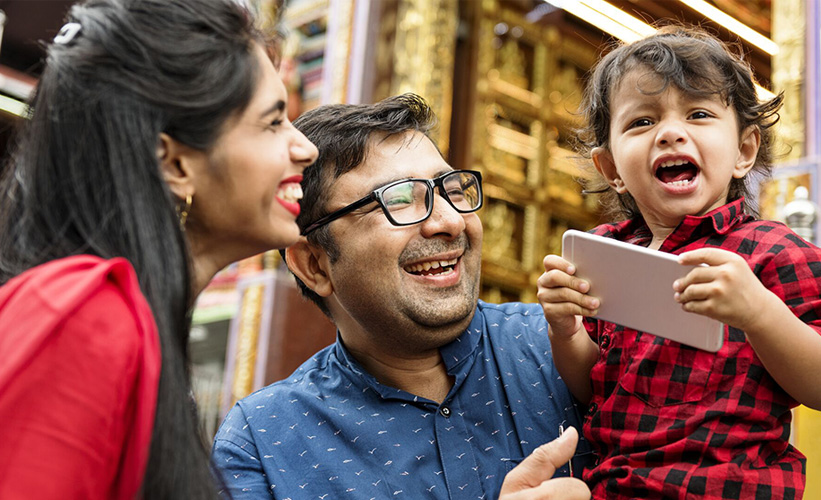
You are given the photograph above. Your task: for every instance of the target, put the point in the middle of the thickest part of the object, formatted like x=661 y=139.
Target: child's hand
x=725 y=289
x=564 y=297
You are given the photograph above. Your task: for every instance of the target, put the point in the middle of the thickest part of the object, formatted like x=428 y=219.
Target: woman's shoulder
x=61 y=285
x=87 y=295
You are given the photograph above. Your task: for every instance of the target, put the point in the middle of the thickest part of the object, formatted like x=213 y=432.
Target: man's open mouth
x=432 y=268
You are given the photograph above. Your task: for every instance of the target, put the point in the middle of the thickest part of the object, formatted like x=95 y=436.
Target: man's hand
x=530 y=480
x=563 y=297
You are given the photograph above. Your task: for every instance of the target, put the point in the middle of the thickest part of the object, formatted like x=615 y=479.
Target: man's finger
x=562 y=488
x=542 y=463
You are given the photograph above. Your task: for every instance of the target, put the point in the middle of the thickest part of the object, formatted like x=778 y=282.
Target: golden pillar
x=423 y=56
x=789 y=32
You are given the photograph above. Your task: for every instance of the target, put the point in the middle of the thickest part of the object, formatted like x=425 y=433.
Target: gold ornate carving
x=787 y=75
x=340 y=23
x=247 y=339
x=423 y=56
x=527 y=93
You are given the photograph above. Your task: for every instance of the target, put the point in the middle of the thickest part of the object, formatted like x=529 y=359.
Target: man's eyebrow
x=277 y=107
x=376 y=185
x=379 y=184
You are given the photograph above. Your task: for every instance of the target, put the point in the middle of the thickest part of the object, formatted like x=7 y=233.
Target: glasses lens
x=406 y=201
x=463 y=190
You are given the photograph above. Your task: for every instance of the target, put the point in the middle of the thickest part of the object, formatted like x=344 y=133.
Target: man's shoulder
x=510 y=317
x=305 y=379
x=509 y=309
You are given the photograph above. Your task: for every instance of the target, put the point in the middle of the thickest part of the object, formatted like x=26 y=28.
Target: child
x=675 y=128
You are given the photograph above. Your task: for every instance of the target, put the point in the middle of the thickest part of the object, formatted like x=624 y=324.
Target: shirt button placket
x=454 y=442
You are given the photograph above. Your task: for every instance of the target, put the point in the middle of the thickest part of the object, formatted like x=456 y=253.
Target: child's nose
x=671 y=132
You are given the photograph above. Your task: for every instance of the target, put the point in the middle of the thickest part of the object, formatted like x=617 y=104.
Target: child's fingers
x=702 y=274
x=557 y=287
x=557 y=278
x=557 y=262
x=698 y=292
x=709 y=256
x=568 y=309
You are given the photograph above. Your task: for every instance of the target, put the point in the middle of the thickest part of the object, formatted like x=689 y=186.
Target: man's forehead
x=391 y=158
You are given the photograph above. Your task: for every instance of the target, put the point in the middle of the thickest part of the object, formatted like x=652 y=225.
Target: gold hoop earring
x=182 y=213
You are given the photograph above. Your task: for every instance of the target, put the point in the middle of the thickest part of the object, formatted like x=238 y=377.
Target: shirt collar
x=718 y=221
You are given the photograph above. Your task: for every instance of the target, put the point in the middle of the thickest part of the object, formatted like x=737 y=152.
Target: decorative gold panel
x=248 y=336
x=504 y=223
x=528 y=88
x=788 y=74
x=423 y=56
x=511 y=149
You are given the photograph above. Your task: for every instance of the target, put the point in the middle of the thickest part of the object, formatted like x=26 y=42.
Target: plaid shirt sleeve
x=672 y=421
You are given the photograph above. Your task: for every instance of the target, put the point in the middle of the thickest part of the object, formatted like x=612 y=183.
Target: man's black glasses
x=410 y=201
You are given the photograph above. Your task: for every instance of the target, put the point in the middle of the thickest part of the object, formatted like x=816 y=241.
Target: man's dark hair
x=696 y=63
x=343 y=133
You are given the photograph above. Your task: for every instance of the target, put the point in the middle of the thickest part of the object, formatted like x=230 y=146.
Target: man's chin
x=438 y=315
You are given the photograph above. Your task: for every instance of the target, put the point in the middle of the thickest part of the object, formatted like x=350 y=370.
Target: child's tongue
x=684 y=172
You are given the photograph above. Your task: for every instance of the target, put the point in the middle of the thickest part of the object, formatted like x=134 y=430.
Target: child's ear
x=603 y=160
x=747 y=151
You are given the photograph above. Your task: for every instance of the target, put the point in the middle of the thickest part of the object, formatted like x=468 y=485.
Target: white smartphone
x=635 y=287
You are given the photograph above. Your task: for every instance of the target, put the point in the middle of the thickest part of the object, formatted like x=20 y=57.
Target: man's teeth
x=673 y=163
x=427 y=266
x=291 y=192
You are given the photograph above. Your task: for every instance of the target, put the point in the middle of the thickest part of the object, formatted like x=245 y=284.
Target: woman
x=157 y=152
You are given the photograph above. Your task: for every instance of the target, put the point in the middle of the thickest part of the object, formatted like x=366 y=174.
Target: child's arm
x=564 y=300
x=727 y=290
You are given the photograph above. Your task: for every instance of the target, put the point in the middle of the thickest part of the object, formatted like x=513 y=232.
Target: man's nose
x=444 y=219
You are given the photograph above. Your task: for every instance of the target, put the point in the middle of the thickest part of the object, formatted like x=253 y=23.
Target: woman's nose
x=302 y=150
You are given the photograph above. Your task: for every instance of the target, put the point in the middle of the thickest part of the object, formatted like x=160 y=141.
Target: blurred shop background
x=505 y=78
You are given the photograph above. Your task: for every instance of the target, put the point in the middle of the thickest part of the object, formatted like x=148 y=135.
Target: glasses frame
x=376 y=196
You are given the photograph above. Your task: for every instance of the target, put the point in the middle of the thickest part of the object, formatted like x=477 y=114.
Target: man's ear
x=177 y=165
x=747 y=151
x=603 y=161
x=310 y=264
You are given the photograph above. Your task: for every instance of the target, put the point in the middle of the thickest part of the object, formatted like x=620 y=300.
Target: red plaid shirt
x=671 y=421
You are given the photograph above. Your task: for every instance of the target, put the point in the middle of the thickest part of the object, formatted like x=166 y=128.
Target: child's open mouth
x=677 y=172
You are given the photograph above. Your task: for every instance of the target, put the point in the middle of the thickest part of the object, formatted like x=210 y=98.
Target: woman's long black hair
x=84 y=177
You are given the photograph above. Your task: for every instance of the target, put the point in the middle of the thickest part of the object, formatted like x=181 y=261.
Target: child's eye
x=700 y=114
x=641 y=122
x=275 y=124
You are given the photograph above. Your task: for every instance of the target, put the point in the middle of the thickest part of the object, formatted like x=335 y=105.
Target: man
x=428 y=392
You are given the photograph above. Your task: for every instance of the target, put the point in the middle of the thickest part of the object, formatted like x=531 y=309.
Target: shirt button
x=445 y=411
x=591 y=410
x=605 y=341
